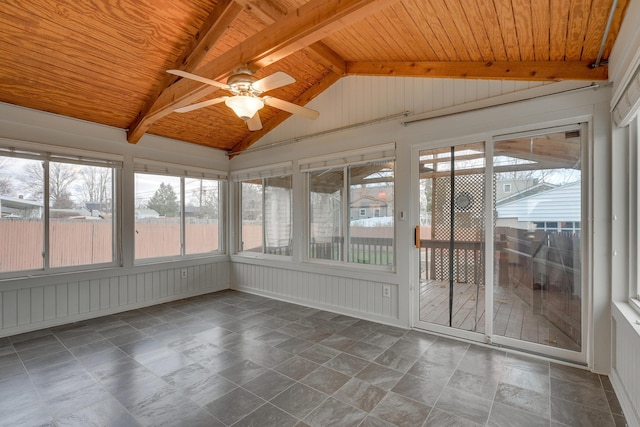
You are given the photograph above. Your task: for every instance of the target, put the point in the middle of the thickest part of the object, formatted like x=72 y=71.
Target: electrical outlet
x=386 y=291
x=184 y=273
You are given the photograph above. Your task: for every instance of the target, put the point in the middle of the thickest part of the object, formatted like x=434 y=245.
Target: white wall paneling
x=625 y=372
x=332 y=289
x=36 y=306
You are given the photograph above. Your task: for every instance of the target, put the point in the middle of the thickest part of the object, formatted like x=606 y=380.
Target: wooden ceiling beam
x=297 y=30
x=315 y=90
x=220 y=18
x=266 y=12
x=507 y=70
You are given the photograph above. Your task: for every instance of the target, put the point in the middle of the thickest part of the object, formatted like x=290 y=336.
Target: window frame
x=152 y=167
x=344 y=161
x=51 y=154
x=263 y=173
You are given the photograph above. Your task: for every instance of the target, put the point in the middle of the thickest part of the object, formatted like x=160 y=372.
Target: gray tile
x=392 y=359
x=438 y=418
x=335 y=413
x=299 y=400
x=579 y=393
x=108 y=412
x=524 y=399
x=419 y=389
x=528 y=379
x=243 y=372
x=614 y=403
x=207 y=389
x=294 y=345
x=574 y=414
x=171 y=408
x=365 y=351
x=269 y=357
x=273 y=338
x=48 y=360
x=347 y=364
x=360 y=394
x=380 y=376
x=234 y=405
x=464 y=404
x=372 y=421
x=481 y=386
x=326 y=380
x=267 y=415
x=575 y=375
x=379 y=339
x=401 y=411
x=507 y=416
x=431 y=371
x=319 y=353
x=297 y=367
x=78 y=398
x=37 y=352
x=269 y=385
x=89 y=349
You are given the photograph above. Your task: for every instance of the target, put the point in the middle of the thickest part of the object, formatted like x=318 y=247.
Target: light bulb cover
x=244 y=106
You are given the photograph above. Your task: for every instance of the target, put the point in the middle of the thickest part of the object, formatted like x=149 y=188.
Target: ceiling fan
x=246 y=97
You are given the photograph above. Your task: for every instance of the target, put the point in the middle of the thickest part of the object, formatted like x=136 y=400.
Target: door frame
x=584 y=124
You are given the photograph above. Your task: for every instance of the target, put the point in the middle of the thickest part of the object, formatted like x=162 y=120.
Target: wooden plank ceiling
x=106 y=61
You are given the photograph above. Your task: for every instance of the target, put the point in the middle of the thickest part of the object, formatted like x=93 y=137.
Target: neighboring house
x=371 y=202
x=19 y=207
x=554 y=209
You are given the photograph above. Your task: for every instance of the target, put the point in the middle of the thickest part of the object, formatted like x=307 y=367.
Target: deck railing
x=363 y=250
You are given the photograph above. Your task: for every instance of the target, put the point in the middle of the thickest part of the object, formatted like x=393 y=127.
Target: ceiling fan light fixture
x=244 y=106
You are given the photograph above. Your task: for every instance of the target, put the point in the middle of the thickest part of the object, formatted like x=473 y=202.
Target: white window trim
x=261 y=172
x=153 y=167
x=50 y=153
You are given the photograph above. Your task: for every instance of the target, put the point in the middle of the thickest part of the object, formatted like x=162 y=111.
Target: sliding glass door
x=500 y=232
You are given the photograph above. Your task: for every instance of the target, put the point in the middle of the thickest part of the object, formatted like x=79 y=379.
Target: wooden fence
x=84 y=242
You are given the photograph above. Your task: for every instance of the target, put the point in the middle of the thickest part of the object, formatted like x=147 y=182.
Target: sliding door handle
x=417 y=236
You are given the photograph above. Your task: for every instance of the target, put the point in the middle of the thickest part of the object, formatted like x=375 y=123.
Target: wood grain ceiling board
x=82 y=59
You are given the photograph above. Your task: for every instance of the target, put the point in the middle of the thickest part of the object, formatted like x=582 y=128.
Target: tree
x=5 y=181
x=164 y=201
x=61 y=176
x=95 y=185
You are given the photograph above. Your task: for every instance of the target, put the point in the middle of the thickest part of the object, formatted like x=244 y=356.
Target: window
x=266 y=210
x=506 y=188
x=76 y=226
x=177 y=212
x=339 y=229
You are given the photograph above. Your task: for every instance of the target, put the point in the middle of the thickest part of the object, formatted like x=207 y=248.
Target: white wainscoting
x=326 y=288
x=625 y=372
x=31 y=307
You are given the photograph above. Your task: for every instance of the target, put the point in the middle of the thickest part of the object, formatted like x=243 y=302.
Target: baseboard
x=326 y=307
x=21 y=329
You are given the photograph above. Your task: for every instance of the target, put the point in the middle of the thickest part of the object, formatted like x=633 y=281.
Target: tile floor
x=231 y=358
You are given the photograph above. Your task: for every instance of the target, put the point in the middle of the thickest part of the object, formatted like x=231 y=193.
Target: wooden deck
x=512 y=316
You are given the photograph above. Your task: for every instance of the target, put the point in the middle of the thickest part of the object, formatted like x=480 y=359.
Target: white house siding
x=557 y=204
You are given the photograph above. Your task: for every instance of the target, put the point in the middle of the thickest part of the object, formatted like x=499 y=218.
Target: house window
x=332 y=193
x=506 y=188
x=75 y=228
x=363 y=212
x=177 y=212
x=266 y=210
x=376 y=213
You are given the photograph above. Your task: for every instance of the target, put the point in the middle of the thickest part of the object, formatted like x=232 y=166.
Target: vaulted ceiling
x=106 y=61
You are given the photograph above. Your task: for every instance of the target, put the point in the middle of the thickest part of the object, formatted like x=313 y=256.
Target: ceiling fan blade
x=202 y=104
x=291 y=108
x=198 y=78
x=273 y=81
x=254 y=123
